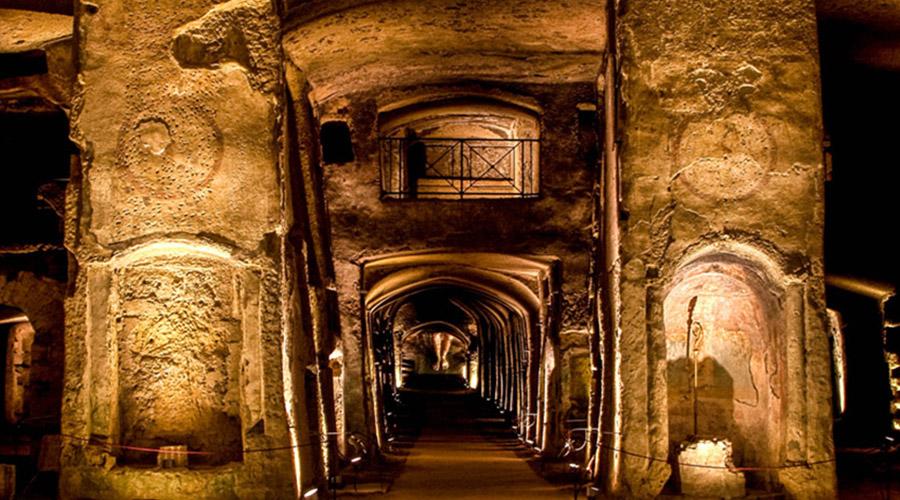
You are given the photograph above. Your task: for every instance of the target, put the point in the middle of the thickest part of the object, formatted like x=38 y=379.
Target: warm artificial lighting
x=236 y=171
x=839 y=361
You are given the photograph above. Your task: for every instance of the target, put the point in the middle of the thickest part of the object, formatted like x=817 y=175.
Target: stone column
x=719 y=154
x=176 y=329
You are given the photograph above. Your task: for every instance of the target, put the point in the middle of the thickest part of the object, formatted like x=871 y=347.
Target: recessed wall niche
x=724 y=329
x=179 y=359
x=337 y=144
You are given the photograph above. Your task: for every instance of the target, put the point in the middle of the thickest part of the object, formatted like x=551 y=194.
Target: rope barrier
x=700 y=466
x=93 y=442
x=90 y=442
x=722 y=467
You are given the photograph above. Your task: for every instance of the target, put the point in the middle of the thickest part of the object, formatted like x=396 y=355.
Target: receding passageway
x=463 y=449
x=448 y=249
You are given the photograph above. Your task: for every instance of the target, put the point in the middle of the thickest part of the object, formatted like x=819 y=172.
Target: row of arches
x=722 y=319
x=494 y=313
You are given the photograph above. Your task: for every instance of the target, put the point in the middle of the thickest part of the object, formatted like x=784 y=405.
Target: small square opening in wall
x=337 y=147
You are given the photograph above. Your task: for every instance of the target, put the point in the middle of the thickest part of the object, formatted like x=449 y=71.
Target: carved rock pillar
x=175 y=331
x=719 y=162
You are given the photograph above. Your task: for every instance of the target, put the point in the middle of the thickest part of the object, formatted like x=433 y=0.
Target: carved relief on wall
x=179 y=345
x=169 y=153
x=175 y=348
x=723 y=159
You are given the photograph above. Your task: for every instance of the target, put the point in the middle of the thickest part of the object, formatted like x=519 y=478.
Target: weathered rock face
x=351 y=46
x=176 y=331
x=720 y=168
x=39 y=357
x=179 y=355
x=179 y=160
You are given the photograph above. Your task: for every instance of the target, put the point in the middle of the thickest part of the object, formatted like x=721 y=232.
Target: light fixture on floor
x=309 y=493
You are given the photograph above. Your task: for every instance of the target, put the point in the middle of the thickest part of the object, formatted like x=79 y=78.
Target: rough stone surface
x=43 y=36
x=176 y=327
x=21 y=31
x=180 y=160
x=179 y=355
x=720 y=156
x=349 y=46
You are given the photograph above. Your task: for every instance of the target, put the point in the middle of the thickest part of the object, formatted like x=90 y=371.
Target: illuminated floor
x=460 y=455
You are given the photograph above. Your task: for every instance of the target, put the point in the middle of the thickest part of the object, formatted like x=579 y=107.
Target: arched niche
x=724 y=323
x=175 y=346
x=32 y=326
x=16 y=341
x=462 y=117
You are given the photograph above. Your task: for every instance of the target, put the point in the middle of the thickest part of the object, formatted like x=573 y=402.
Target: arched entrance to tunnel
x=486 y=320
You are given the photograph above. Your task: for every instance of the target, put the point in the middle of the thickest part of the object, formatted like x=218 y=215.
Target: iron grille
x=451 y=168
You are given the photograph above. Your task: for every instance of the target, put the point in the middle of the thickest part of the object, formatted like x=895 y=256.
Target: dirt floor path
x=464 y=451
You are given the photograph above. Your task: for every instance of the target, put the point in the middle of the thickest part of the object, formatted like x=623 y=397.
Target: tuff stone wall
x=720 y=155
x=176 y=327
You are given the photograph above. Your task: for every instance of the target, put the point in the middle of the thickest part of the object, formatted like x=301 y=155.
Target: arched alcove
x=16 y=340
x=175 y=351
x=724 y=328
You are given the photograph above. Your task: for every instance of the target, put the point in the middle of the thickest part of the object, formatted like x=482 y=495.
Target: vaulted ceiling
x=346 y=47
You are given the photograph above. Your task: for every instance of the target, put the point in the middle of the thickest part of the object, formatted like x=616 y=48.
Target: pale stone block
x=706 y=470
x=172 y=456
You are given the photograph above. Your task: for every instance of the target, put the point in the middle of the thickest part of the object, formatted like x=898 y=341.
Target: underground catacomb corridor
x=455 y=445
x=320 y=249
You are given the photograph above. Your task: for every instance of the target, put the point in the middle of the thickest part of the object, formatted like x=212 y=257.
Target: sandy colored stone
x=704 y=470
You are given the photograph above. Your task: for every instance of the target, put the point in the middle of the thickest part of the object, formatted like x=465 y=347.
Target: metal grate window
x=454 y=168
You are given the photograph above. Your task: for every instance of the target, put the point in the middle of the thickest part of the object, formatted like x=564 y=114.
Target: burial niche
x=723 y=322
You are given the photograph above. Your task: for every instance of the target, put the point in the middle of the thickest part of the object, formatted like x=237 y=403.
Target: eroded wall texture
x=720 y=164
x=176 y=328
